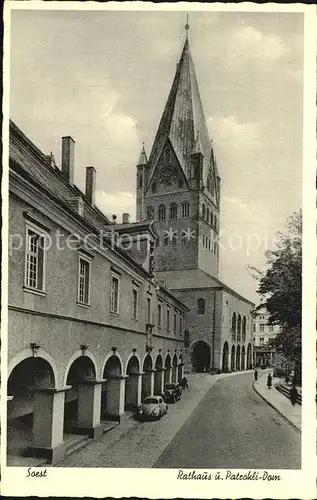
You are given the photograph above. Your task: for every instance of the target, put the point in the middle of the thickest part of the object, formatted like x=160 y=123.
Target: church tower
x=179 y=186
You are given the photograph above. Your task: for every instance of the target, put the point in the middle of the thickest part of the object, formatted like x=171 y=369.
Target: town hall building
x=179 y=188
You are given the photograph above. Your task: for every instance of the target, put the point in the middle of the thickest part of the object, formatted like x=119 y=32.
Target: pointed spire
x=143 y=157
x=183 y=117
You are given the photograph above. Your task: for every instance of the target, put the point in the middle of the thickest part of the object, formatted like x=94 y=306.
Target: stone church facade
x=178 y=187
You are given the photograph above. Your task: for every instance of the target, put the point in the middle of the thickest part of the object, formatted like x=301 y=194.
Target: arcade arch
x=132 y=386
x=201 y=356
x=174 y=369
x=238 y=358
x=233 y=358
x=158 y=375
x=147 y=377
x=167 y=369
x=243 y=358
x=112 y=401
x=225 y=357
x=79 y=407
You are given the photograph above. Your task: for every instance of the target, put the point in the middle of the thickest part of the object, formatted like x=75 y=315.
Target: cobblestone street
x=139 y=444
x=206 y=428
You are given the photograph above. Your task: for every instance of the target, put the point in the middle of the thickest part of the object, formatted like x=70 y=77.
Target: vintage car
x=153 y=407
x=172 y=392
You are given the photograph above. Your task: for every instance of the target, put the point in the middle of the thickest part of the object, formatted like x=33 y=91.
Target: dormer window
x=180 y=183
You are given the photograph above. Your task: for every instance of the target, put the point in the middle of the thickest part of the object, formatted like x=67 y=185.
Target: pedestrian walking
x=293 y=395
x=255 y=374
x=269 y=381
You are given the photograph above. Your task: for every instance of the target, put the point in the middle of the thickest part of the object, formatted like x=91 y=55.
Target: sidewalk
x=134 y=444
x=278 y=401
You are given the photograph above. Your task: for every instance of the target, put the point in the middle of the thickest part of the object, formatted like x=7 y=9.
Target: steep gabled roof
x=183 y=120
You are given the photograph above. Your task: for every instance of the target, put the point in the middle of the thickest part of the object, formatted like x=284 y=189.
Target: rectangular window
x=83 y=281
x=175 y=322
x=134 y=303
x=271 y=328
x=159 y=315
x=261 y=340
x=254 y=327
x=34 y=271
x=168 y=319
x=181 y=325
x=148 y=315
x=115 y=295
x=261 y=327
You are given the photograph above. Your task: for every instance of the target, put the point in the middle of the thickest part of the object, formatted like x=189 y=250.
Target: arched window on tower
x=162 y=212
x=174 y=240
x=173 y=211
x=207 y=215
x=184 y=237
x=211 y=218
x=140 y=183
x=185 y=209
x=215 y=222
x=154 y=187
x=201 y=306
x=203 y=211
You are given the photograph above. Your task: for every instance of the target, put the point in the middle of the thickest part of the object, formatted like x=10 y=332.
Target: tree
x=280 y=286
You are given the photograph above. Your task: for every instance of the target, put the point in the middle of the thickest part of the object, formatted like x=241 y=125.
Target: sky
x=103 y=77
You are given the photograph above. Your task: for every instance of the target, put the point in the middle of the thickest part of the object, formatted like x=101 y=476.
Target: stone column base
x=92 y=432
x=114 y=418
x=52 y=455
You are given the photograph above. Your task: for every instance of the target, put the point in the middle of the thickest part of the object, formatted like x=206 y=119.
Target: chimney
x=125 y=218
x=68 y=156
x=90 y=185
